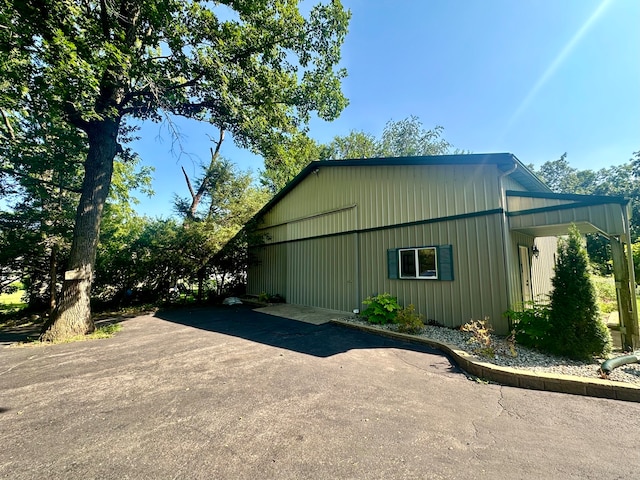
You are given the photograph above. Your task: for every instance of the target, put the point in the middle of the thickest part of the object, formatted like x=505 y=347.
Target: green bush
x=409 y=321
x=532 y=326
x=576 y=328
x=268 y=298
x=606 y=292
x=381 y=309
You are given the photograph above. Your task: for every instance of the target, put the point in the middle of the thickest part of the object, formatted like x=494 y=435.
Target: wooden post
x=628 y=327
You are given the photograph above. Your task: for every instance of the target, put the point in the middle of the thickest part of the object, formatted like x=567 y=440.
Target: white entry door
x=525 y=273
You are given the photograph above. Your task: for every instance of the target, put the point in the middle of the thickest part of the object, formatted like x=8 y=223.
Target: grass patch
x=12 y=302
x=104 y=331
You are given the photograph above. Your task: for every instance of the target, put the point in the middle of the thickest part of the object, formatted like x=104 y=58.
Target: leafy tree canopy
x=256 y=69
x=402 y=138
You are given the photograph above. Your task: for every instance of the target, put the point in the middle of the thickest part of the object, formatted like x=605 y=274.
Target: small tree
x=576 y=328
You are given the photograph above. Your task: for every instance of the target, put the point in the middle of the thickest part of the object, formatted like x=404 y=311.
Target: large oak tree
x=255 y=68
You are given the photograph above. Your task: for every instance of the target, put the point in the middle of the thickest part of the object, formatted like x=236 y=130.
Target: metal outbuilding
x=460 y=237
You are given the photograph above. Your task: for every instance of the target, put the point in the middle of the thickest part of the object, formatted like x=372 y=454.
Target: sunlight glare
x=566 y=51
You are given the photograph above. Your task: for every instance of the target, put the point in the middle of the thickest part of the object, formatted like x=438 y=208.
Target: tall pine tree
x=576 y=327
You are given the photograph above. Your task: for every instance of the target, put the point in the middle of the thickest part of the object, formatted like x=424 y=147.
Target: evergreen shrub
x=576 y=328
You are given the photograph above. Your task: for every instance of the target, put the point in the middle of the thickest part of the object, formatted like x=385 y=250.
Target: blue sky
x=536 y=78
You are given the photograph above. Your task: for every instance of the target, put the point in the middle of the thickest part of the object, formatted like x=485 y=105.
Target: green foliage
x=577 y=330
x=287 y=159
x=382 y=309
x=352 y=146
x=74 y=73
x=409 y=321
x=142 y=260
x=270 y=298
x=402 y=138
x=12 y=301
x=635 y=249
x=106 y=331
x=408 y=138
x=606 y=294
x=618 y=180
x=532 y=326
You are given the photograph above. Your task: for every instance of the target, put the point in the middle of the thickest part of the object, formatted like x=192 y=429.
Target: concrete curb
x=513 y=377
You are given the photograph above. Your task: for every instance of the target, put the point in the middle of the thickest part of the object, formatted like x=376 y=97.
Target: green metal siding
x=267 y=270
x=509 y=183
x=479 y=288
x=322 y=272
x=607 y=218
x=338 y=271
x=386 y=195
x=542 y=267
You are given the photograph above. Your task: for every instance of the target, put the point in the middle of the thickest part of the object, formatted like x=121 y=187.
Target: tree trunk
x=53 y=276
x=201 y=275
x=72 y=315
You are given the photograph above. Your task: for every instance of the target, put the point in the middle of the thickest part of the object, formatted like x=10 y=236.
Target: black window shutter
x=392 y=263
x=445 y=262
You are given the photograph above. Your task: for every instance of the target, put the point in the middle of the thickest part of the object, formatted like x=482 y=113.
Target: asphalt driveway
x=229 y=393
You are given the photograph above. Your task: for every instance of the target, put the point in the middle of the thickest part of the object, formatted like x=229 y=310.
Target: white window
x=418 y=263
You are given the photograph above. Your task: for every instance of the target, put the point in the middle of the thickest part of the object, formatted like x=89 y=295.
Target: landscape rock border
x=513 y=377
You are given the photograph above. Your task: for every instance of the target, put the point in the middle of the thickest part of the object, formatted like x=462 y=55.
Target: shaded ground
x=231 y=393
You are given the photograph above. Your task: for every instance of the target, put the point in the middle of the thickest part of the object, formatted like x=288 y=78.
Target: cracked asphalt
x=229 y=393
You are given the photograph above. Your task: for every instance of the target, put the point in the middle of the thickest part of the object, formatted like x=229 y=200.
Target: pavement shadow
x=9 y=335
x=31 y=331
x=318 y=340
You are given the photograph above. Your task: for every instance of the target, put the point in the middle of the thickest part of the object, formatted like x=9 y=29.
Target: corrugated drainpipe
x=506 y=243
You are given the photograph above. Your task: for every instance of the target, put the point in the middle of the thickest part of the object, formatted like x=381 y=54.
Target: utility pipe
x=608 y=365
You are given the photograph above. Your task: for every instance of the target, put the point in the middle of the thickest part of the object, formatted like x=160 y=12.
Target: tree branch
x=104 y=18
x=8 y=126
x=74 y=116
x=39 y=180
x=197 y=196
x=186 y=177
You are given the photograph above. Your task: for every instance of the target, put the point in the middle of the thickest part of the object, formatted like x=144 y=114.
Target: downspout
x=506 y=243
x=357 y=285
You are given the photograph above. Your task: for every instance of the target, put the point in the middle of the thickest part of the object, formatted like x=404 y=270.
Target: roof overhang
x=543 y=214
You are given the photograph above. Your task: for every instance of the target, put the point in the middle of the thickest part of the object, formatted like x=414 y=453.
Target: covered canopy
x=543 y=214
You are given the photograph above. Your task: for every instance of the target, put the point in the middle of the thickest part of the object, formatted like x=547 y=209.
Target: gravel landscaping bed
x=525 y=358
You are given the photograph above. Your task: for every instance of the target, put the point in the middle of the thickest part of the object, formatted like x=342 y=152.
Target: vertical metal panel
x=391 y=194
x=479 y=288
x=267 y=270
x=514 y=278
x=321 y=273
x=511 y=184
x=542 y=267
x=516 y=204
